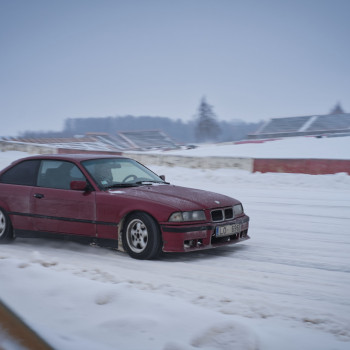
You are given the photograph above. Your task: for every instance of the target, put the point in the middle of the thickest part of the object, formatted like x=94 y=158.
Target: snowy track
x=287 y=287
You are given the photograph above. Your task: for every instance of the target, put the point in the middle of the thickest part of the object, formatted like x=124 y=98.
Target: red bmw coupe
x=116 y=202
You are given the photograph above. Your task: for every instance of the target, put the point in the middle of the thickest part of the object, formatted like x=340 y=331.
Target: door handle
x=39 y=195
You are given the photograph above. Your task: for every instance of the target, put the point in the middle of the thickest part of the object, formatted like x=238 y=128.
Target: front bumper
x=186 y=237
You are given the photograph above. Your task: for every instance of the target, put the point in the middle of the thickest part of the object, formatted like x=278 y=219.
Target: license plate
x=228 y=230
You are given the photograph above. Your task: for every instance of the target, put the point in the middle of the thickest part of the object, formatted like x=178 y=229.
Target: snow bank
x=294 y=155
x=97 y=311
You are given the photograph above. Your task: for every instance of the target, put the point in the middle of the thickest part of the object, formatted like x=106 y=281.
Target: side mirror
x=78 y=185
x=162 y=177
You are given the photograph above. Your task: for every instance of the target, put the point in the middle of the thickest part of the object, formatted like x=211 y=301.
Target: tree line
x=205 y=127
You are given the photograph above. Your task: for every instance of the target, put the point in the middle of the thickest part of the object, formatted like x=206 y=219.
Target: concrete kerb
x=26 y=147
x=193 y=162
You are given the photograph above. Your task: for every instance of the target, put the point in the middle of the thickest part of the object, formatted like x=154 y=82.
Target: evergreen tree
x=207 y=128
x=337 y=109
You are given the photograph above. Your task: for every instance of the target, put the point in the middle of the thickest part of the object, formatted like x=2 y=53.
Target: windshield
x=119 y=172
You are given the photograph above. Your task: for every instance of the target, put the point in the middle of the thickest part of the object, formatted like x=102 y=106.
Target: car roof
x=78 y=157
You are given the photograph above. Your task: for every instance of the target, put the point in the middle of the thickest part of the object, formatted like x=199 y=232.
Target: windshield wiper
x=147 y=182
x=135 y=184
x=123 y=185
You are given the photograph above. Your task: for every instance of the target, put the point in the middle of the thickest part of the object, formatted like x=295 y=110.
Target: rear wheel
x=6 y=233
x=141 y=236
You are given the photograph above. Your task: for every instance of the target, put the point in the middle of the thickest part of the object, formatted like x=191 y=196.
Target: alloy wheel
x=137 y=236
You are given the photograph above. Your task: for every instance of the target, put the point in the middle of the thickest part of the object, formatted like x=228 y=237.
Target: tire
x=141 y=236
x=6 y=232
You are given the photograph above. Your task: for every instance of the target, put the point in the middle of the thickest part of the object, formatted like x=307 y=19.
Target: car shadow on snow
x=79 y=247
x=220 y=252
x=59 y=244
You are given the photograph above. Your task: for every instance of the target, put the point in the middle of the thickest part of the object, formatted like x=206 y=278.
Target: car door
x=16 y=186
x=55 y=207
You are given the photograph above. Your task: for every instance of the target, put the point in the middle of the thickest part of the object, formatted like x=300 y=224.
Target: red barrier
x=302 y=166
x=254 y=141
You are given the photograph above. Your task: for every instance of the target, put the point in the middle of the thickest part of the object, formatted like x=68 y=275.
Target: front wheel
x=141 y=236
x=6 y=233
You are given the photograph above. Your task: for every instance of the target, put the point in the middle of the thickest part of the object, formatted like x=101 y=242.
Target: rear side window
x=24 y=173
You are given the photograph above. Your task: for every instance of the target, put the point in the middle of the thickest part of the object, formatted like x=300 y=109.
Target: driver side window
x=58 y=174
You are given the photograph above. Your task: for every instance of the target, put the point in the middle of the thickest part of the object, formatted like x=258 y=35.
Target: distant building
x=316 y=125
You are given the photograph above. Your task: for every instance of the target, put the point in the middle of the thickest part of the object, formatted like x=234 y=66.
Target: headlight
x=238 y=209
x=179 y=216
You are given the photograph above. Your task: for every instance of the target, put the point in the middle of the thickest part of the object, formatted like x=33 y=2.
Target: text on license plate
x=227 y=230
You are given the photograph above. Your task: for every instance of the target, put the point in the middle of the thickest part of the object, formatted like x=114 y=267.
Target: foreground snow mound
x=79 y=309
x=226 y=336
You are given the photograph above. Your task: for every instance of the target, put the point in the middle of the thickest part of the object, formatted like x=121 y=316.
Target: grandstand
x=316 y=125
x=112 y=140
x=96 y=142
x=72 y=143
x=146 y=140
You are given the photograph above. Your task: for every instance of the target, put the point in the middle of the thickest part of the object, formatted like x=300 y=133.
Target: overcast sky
x=252 y=59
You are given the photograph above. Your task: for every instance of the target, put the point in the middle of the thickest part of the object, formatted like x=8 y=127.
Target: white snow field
x=286 y=288
x=293 y=147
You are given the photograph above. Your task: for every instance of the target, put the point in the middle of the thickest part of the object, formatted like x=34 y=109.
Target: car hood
x=182 y=198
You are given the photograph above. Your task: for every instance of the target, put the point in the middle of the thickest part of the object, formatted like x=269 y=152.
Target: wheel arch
x=4 y=206
x=136 y=211
x=8 y=233
x=124 y=220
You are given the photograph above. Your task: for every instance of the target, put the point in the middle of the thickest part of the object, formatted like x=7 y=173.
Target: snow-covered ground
x=286 y=288
x=294 y=147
